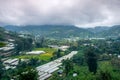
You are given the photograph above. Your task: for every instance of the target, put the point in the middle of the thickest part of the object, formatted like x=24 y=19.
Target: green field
x=46 y=56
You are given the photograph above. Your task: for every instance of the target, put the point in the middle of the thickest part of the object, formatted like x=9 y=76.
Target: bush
x=2 y=44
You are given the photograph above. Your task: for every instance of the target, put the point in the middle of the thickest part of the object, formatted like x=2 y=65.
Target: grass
x=46 y=56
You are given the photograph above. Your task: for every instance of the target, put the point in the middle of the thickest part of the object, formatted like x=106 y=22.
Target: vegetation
x=53 y=31
x=97 y=59
x=1 y=69
x=23 y=71
x=2 y=44
x=23 y=44
x=68 y=66
x=46 y=57
x=91 y=60
x=27 y=74
x=70 y=31
x=57 y=54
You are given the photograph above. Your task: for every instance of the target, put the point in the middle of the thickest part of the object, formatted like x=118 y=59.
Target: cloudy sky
x=83 y=13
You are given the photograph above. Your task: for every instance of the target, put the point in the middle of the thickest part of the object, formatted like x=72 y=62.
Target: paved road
x=46 y=70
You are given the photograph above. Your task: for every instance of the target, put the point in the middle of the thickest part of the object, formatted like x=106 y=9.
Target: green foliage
x=40 y=42
x=34 y=62
x=2 y=44
x=68 y=66
x=27 y=74
x=105 y=72
x=78 y=58
x=57 y=54
x=2 y=38
x=91 y=59
x=104 y=76
x=1 y=69
x=23 y=44
x=22 y=64
x=42 y=57
x=115 y=63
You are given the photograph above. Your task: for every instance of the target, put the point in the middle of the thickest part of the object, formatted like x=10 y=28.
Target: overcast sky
x=83 y=13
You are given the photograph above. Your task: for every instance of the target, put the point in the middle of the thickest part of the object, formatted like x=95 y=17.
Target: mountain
x=67 y=31
x=54 y=31
x=98 y=29
x=113 y=31
x=6 y=35
x=13 y=28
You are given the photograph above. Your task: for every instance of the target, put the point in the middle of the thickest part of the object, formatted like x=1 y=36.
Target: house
x=64 y=48
x=10 y=63
x=119 y=56
x=36 y=52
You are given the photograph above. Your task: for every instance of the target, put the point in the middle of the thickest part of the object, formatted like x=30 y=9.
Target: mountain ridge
x=66 y=31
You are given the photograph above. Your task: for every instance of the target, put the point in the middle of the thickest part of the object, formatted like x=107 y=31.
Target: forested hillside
x=67 y=31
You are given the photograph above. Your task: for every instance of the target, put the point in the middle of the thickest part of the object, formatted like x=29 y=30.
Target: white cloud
x=85 y=13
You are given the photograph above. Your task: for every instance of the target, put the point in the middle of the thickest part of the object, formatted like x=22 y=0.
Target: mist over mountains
x=67 y=31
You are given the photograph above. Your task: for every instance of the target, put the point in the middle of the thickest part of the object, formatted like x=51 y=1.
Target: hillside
x=6 y=35
x=67 y=31
x=98 y=29
x=54 y=31
x=114 y=31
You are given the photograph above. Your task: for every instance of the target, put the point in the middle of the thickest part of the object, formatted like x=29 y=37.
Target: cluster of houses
x=8 y=48
x=11 y=63
x=63 y=48
x=44 y=71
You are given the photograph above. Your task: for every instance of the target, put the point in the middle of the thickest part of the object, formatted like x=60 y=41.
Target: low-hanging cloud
x=84 y=13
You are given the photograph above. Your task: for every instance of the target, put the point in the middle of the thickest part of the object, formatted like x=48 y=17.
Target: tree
x=22 y=64
x=38 y=45
x=2 y=44
x=91 y=59
x=23 y=44
x=30 y=43
x=104 y=76
x=1 y=69
x=19 y=46
x=68 y=65
x=33 y=62
x=28 y=74
x=78 y=59
x=58 y=53
x=41 y=42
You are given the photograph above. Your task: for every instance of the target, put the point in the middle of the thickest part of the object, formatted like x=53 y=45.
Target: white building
x=119 y=56
x=36 y=52
x=10 y=63
x=64 y=48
